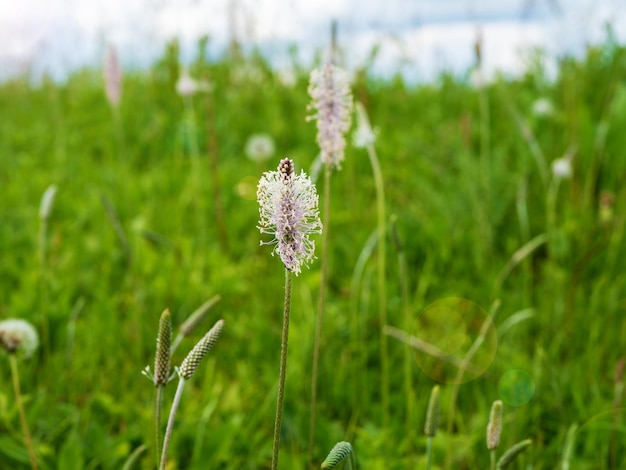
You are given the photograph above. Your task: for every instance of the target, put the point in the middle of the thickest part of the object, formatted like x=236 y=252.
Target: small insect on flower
x=288 y=210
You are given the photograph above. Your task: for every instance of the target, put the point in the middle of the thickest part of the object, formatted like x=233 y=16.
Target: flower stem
x=20 y=407
x=382 y=297
x=283 y=369
x=158 y=402
x=493 y=459
x=170 y=422
x=320 y=309
x=429 y=448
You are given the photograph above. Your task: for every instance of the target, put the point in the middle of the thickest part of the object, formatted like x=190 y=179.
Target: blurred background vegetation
x=155 y=208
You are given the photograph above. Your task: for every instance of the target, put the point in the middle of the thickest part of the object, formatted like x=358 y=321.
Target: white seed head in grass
x=494 y=428
x=259 y=147
x=186 y=85
x=202 y=347
x=364 y=135
x=112 y=77
x=45 y=208
x=18 y=336
x=329 y=88
x=288 y=210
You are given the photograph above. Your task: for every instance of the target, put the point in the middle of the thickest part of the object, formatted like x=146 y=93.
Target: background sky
x=419 y=37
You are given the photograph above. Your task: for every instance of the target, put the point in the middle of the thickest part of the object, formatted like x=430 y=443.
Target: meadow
x=489 y=244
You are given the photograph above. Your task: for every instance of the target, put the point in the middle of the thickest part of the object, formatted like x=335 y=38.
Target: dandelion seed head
x=329 y=88
x=288 y=210
x=259 y=147
x=18 y=335
x=186 y=85
x=562 y=168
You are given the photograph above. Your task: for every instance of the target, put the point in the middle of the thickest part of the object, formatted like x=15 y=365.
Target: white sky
x=420 y=36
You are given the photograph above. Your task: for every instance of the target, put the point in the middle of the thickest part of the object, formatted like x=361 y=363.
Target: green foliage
x=461 y=212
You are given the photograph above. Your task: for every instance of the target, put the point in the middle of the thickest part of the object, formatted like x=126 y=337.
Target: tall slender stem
x=283 y=369
x=170 y=422
x=43 y=263
x=382 y=296
x=406 y=320
x=492 y=457
x=429 y=449
x=15 y=376
x=320 y=309
x=158 y=402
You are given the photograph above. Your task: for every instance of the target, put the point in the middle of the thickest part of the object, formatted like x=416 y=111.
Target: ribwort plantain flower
x=18 y=335
x=288 y=210
x=494 y=428
x=112 y=77
x=202 y=347
x=329 y=88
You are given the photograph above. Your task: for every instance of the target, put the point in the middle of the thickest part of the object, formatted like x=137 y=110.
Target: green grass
x=86 y=402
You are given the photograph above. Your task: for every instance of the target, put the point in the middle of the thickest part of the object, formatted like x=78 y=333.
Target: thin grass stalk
x=358 y=325
x=382 y=296
x=170 y=422
x=429 y=451
x=283 y=369
x=432 y=423
x=485 y=158
x=406 y=320
x=134 y=457
x=320 y=308
x=28 y=440
x=45 y=210
x=467 y=360
x=196 y=170
x=214 y=175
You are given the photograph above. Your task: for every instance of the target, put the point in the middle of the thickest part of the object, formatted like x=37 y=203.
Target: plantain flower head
x=329 y=88
x=18 y=335
x=288 y=210
x=112 y=77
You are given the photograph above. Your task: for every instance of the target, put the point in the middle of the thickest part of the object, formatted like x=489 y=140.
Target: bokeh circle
x=516 y=387
x=454 y=340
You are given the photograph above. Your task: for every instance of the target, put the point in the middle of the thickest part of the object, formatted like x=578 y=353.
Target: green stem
x=283 y=369
x=158 y=403
x=406 y=320
x=493 y=459
x=43 y=263
x=320 y=309
x=170 y=422
x=382 y=297
x=429 y=448
x=15 y=376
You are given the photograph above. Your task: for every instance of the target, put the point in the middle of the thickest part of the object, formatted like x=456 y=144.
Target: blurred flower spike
x=542 y=107
x=259 y=147
x=288 y=210
x=18 y=336
x=329 y=88
x=112 y=77
x=188 y=86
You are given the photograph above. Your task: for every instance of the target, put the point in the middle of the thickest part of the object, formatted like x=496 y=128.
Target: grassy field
x=156 y=208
